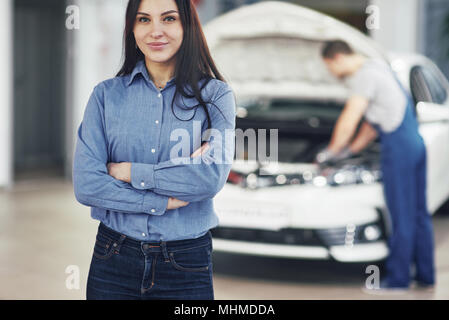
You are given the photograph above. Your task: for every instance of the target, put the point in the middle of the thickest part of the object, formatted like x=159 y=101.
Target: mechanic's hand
x=327 y=157
x=324 y=156
x=174 y=203
x=346 y=153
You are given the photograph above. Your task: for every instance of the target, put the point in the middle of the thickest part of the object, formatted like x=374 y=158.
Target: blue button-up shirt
x=128 y=119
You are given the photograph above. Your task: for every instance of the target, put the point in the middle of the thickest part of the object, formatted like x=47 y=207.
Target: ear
x=327 y=61
x=338 y=57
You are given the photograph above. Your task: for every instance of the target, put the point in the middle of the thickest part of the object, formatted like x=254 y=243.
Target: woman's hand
x=120 y=171
x=174 y=203
x=200 y=151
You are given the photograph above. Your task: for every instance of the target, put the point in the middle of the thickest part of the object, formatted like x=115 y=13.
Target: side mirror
x=431 y=112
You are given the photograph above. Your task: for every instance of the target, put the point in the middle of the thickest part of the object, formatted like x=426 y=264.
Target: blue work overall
x=403 y=164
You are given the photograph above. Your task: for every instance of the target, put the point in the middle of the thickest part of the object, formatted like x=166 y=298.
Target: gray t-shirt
x=375 y=81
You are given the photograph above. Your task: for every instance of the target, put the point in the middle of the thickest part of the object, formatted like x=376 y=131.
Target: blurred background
x=50 y=65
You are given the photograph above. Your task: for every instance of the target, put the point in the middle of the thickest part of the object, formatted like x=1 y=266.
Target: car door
x=430 y=91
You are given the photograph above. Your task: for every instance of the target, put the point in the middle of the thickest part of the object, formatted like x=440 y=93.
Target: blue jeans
x=126 y=268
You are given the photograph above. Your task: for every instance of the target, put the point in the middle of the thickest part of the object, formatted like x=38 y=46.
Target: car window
x=428 y=85
x=419 y=88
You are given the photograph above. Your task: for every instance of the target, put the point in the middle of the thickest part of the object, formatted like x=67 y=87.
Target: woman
x=155 y=206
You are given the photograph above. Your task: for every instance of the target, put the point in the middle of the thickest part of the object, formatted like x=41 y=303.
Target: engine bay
x=303 y=129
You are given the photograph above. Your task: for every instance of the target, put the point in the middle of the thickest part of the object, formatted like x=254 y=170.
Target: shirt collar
x=142 y=69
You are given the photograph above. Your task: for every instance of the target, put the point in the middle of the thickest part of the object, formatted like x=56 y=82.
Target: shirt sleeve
x=204 y=176
x=93 y=186
x=363 y=83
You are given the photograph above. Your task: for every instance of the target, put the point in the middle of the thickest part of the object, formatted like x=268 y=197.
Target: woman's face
x=158 y=30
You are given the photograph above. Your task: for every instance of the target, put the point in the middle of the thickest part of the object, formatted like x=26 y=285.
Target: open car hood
x=274 y=47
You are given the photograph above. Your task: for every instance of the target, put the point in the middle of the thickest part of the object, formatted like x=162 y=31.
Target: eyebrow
x=162 y=14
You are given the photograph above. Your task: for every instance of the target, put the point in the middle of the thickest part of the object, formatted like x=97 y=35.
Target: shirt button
x=142 y=184
x=159 y=95
x=152 y=210
x=157 y=121
x=143 y=234
x=153 y=150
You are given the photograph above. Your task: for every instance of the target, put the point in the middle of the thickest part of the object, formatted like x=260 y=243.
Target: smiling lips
x=157 y=45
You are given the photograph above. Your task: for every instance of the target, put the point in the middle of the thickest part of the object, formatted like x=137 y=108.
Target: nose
x=157 y=30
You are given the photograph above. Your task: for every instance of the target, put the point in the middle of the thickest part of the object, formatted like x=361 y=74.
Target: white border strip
x=6 y=93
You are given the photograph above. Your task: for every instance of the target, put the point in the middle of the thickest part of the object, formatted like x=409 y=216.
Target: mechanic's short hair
x=332 y=47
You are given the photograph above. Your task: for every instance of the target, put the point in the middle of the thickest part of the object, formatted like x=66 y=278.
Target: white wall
x=96 y=52
x=6 y=93
x=398 y=25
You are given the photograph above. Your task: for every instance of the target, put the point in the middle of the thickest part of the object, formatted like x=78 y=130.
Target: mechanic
x=385 y=109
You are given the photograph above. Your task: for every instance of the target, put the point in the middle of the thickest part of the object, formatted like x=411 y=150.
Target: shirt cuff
x=142 y=176
x=154 y=203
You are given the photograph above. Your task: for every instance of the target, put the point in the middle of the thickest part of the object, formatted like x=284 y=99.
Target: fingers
x=200 y=151
x=174 y=203
x=181 y=203
x=324 y=156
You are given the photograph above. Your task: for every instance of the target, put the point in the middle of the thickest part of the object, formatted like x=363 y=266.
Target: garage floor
x=43 y=230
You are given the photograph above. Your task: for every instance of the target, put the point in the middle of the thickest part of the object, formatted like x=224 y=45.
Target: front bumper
x=344 y=244
x=366 y=252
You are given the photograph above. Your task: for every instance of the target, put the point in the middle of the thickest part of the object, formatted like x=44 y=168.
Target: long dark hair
x=193 y=59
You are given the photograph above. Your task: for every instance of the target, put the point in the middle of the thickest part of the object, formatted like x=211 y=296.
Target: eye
x=170 y=17
x=143 y=19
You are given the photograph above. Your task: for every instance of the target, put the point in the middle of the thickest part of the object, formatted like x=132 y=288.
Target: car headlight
x=319 y=181
x=367 y=177
x=345 y=177
x=353 y=175
x=251 y=181
x=331 y=176
x=372 y=232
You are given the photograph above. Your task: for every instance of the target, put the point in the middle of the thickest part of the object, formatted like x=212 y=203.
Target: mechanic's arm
x=189 y=180
x=347 y=123
x=93 y=186
x=364 y=137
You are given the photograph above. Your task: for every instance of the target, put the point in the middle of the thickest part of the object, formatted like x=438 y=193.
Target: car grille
x=294 y=236
x=286 y=236
x=336 y=236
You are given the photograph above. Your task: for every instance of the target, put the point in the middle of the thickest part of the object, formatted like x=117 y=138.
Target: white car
x=270 y=54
